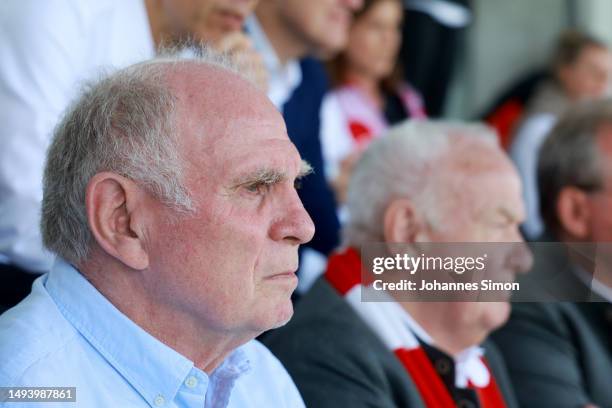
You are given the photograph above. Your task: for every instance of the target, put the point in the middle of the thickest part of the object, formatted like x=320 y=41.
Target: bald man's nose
x=295 y=225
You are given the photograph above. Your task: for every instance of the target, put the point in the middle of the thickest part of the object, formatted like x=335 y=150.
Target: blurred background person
x=220 y=24
x=424 y=182
x=581 y=68
x=433 y=32
x=291 y=35
x=559 y=354
x=48 y=48
x=369 y=91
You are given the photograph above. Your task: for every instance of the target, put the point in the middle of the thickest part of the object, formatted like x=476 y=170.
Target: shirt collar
x=283 y=79
x=447 y=13
x=469 y=366
x=593 y=284
x=263 y=45
x=150 y=366
x=224 y=377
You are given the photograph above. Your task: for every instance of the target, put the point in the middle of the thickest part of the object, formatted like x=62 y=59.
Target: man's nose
x=294 y=225
x=521 y=258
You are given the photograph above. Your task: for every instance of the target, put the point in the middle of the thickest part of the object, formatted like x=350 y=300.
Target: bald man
x=169 y=199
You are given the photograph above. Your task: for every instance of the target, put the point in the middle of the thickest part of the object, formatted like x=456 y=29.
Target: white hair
x=124 y=123
x=407 y=162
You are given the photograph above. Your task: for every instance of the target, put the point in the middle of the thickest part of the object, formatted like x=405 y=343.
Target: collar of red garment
x=344 y=273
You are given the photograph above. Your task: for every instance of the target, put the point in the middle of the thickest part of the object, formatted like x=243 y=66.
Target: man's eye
x=504 y=223
x=297 y=184
x=258 y=188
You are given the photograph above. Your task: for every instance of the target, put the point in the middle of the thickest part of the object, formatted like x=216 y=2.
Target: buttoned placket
x=193 y=390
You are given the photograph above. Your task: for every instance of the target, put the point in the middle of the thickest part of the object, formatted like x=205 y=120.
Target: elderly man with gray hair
x=422 y=182
x=560 y=353
x=169 y=197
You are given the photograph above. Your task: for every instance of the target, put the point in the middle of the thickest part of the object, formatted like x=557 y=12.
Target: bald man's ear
x=573 y=212
x=401 y=222
x=114 y=212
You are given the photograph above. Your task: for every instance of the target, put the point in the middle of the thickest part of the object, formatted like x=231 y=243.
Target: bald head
x=215 y=108
x=138 y=122
x=215 y=84
x=213 y=100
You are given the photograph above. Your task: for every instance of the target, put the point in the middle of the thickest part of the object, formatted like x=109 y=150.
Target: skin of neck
x=129 y=291
x=287 y=43
x=451 y=340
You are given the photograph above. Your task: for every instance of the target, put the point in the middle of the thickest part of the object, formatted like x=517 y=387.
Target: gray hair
x=407 y=163
x=569 y=156
x=123 y=123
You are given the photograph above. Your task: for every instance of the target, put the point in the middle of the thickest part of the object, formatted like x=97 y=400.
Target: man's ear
x=114 y=206
x=401 y=223
x=573 y=212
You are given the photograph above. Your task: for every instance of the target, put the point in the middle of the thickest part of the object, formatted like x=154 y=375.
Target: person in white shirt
x=170 y=200
x=47 y=48
x=284 y=32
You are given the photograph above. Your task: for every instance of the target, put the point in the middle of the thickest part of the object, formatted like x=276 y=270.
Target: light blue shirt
x=66 y=334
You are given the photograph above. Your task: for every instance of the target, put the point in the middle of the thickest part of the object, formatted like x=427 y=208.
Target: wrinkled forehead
x=483 y=177
x=473 y=155
x=224 y=123
x=217 y=108
x=208 y=96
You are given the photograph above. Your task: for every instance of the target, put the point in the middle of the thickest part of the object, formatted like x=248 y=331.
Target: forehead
x=595 y=54
x=497 y=192
x=486 y=179
x=222 y=119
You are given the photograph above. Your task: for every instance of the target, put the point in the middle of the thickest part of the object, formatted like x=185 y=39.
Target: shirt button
x=191 y=382
x=466 y=404
x=443 y=367
x=609 y=315
x=159 y=401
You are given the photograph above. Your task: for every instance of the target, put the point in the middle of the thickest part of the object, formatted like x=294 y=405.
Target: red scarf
x=344 y=274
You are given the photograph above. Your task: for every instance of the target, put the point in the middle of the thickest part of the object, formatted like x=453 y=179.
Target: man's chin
x=498 y=314
x=283 y=315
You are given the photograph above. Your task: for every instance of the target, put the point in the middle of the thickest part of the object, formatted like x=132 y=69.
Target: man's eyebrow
x=270 y=176
x=509 y=214
x=260 y=176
